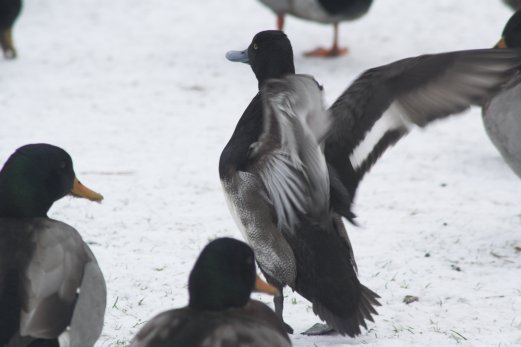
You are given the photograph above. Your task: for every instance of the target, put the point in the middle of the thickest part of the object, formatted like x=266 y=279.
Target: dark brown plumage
x=9 y=11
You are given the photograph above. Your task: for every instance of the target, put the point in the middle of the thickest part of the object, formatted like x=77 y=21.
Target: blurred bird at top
x=514 y=4
x=322 y=11
x=9 y=10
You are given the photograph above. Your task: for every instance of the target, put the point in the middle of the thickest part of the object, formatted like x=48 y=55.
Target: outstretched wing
x=384 y=103
x=287 y=156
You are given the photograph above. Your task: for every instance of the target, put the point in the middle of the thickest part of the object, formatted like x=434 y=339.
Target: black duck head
x=269 y=54
x=34 y=177
x=224 y=276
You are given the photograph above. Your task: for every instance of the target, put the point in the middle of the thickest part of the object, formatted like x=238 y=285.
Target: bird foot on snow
x=327 y=53
x=319 y=329
x=10 y=54
x=288 y=328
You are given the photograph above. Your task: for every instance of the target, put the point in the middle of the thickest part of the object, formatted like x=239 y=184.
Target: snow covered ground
x=139 y=93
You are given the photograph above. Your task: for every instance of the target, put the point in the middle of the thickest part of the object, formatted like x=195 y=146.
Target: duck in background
x=51 y=287
x=220 y=311
x=514 y=4
x=502 y=114
x=288 y=201
x=321 y=11
x=9 y=11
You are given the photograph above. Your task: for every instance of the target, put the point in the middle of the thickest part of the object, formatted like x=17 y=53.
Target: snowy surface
x=139 y=93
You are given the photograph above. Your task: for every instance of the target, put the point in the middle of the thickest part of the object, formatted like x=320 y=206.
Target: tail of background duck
x=349 y=324
x=9 y=11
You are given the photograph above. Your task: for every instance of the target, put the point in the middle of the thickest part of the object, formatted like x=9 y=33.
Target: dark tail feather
x=350 y=325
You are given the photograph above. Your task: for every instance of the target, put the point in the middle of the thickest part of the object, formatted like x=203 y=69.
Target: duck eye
x=249 y=261
x=63 y=165
x=255 y=46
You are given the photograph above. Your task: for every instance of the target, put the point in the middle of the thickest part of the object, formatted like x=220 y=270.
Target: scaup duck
x=220 y=311
x=9 y=11
x=301 y=243
x=50 y=284
x=502 y=115
x=321 y=11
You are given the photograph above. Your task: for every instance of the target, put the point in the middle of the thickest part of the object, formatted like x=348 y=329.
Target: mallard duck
x=220 y=311
x=322 y=11
x=502 y=114
x=289 y=208
x=50 y=284
x=514 y=4
x=9 y=11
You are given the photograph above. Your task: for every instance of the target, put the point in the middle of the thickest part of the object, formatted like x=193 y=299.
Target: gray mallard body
x=502 y=121
x=502 y=114
x=55 y=274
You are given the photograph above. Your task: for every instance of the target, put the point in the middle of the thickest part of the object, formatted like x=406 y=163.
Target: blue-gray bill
x=238 y=56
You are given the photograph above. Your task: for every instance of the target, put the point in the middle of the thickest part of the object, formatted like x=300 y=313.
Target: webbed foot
x=288 y=328
x=319 y=329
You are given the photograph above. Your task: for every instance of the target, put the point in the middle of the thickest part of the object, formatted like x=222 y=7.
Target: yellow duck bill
x=81 y=191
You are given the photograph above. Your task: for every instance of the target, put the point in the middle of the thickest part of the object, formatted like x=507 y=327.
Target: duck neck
x=213 y=289
x=274 y=70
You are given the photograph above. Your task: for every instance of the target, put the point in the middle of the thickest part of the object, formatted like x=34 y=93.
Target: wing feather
x=52 y=279
x=62 y=270
x=288 y=155
x=384 y=103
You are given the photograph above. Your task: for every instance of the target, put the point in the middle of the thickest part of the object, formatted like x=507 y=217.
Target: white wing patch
x=392 y=119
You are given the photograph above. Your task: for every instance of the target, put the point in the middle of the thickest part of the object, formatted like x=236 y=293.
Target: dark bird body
x=50 y=282
x=288 y=190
